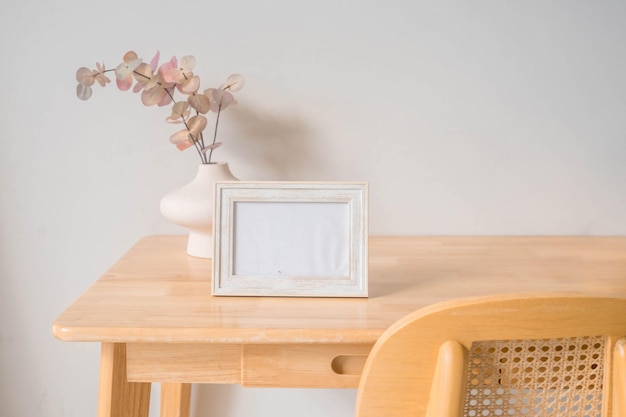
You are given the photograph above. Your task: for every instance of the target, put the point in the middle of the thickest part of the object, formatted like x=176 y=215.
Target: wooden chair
x=512 y=355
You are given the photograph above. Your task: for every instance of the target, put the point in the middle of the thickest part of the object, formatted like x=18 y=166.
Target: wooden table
x=156 y=319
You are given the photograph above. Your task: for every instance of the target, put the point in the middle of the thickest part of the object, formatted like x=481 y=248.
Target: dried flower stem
x=217 y=121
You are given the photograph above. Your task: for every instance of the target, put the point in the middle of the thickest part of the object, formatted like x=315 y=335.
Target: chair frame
x=425 y=350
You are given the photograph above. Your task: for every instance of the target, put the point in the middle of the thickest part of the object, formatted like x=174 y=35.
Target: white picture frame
x=295 y=239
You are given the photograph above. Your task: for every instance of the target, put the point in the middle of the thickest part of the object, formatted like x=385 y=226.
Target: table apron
x=292 y=365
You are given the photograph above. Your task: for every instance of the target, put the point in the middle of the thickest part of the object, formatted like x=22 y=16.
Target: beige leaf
x=190 y=85
x=200 y=103
x=152 y=96
x=85 y=76
x=180 y=107
x=130 y=56
x=179 y=110
x=209 y=92
x=234 y=83
x=143 y=73
x=188 y=62
x=197 y=124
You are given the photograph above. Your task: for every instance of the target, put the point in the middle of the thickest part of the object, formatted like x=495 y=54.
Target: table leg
x=175 y=399
x=118 y=397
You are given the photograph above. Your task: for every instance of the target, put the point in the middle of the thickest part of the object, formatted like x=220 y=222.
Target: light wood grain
x=156 y=302
x=179 y=362
x=175 y=400
x=117 y=397
x=398 y=374
x=619 y=379
x=303 y=365
x=156 y=293
x=447 y=393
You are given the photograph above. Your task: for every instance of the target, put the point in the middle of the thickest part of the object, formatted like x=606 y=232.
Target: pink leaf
x=100 y=76
x=227 y=99
x=181 y=136
x=166 y=70
x=220 y=98
x=183 y=146
x=125 y=83
x=154 y=63
x=169 y=75
x=102 y=79
x=165 y=100
x=211 y=147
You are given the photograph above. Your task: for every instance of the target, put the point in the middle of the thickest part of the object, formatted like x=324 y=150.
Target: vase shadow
x=278 y=145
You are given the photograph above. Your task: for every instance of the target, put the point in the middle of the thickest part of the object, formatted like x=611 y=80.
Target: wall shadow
x=281 y=146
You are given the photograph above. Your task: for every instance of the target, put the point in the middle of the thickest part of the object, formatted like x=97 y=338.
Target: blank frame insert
x=290 y=239
x=307 y=239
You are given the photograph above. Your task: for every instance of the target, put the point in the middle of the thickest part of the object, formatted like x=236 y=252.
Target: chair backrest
x=509 y=355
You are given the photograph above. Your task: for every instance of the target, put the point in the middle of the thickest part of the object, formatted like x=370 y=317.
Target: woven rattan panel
x=553 y=377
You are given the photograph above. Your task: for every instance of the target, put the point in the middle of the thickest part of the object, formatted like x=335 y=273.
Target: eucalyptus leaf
x=83 y=92
x=211 y=147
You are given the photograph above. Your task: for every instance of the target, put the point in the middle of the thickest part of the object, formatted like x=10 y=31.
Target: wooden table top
x=157 y=293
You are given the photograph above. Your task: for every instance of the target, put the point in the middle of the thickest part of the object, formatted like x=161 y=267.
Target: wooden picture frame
x=302 y=239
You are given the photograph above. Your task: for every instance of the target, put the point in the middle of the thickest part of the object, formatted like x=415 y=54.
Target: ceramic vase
x=191 y=207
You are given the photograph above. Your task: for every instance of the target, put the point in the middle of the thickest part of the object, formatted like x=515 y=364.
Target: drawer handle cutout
x=348 y=364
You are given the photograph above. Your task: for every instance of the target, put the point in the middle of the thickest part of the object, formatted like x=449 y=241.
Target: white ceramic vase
x=191 y=206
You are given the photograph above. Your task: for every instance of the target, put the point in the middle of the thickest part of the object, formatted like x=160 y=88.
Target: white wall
x=466 y=117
